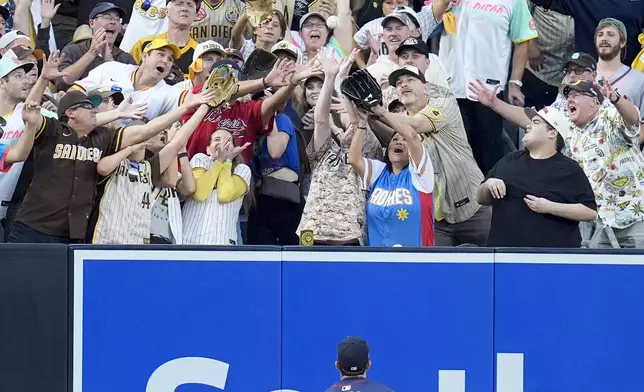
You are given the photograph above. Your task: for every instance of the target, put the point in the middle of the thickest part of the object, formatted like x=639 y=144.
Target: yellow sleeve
x=206 y=181
x=229 y=186
x=137 y=51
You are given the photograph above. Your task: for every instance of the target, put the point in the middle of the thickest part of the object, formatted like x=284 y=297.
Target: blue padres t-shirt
x=290 y=159
x=4 y=148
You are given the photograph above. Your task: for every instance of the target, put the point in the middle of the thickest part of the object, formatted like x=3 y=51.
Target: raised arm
x=138 y=133
x=125 y=110
x=169 y=153
x=358 y=125
x=49 y=72
x=414 y=142
x=277 y=77
x=344 y=32
x=238 y=31
x=322 y=130
x=187 y=184
x=20 y=151
x=487 y=97
x=629 y=112
x=77 y=68
x=108 y=164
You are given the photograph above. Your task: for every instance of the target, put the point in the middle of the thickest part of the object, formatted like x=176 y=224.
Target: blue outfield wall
x=269 y=319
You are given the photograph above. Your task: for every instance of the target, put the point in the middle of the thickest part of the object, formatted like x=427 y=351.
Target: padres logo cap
x=207 y=47
x=287 y=47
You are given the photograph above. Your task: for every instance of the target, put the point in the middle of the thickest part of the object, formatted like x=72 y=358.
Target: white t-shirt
x=332 y=50
x=209 y=222
x=482 y=45
x=12 y=132
x=161 y=98
x=145 y=23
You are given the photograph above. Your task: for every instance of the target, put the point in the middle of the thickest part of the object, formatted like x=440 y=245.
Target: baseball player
x=353 y=363
x=125 y=210
x=210 y=216
x=143 y=83
x=215 y=20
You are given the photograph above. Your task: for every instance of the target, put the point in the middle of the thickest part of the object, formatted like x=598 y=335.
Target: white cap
x=206 y=47
x=285 y=46
x=409 y=11
x=12 y=36
x=555 y=117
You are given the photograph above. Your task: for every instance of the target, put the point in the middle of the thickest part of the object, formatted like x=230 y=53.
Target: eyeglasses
x=109 y=18
x=318 y=25
x=577 y=71
x=82 y=105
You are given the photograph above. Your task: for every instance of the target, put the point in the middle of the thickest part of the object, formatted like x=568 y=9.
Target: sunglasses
x=83 y=105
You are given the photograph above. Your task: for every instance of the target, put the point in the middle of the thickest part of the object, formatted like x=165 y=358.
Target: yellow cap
x=160 y=43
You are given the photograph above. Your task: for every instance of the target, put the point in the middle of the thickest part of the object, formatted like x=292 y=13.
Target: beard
x=614 y=52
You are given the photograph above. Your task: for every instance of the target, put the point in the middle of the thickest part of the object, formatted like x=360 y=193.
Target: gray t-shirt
x=630 y=85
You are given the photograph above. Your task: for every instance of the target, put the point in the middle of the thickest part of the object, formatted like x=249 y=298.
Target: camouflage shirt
x=335 y=208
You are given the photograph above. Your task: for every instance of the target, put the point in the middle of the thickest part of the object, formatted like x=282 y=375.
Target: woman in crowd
x=278 y=198
x=124 y=212
x=270 y=31
x=334 y=213
x=399 y=206
x=211 y=215
x=305 y=102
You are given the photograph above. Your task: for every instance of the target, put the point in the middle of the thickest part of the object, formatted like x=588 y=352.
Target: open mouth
x=315 y=36
x=314 y=96
x=572 y=109
x=405 y=91
x=161 y=69
x=110 y=31
x=398 y=150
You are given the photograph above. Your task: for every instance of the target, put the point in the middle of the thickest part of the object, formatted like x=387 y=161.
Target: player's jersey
x=160 y=99
x=358 y=384
x=210 y=222
x=166 y=216
x=400 y=206
x=215 y=20
x=11 y=132
x=125 y=210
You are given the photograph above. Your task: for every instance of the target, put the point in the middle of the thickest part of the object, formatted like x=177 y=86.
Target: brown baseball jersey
x=62 y=193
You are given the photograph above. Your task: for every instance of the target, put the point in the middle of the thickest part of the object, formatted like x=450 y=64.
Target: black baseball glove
x=258 y=65
x=362 y=89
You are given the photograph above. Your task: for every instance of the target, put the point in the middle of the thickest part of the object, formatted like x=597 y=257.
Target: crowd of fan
x=524 y=129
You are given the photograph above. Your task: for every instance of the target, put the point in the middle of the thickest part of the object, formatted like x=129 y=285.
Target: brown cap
x=73 y=97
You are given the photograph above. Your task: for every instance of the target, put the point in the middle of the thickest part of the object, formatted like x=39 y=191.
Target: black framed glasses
x=83 y=105
x=577 y=71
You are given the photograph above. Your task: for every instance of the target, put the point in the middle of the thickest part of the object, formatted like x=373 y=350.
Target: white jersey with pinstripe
x=215 y=20
x=166 y=215
x=456 y=172
x=555 y=41
x=125 y=210
x=210 y=222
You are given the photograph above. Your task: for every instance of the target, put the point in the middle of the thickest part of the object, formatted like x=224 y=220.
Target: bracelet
x=517 y=82
x=264 y=82
x=182 y=155
x=619 y=96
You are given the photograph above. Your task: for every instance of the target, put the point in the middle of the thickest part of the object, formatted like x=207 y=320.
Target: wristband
x=619 y=96
x=264 y=82
x=182 y=155
x=517 y=82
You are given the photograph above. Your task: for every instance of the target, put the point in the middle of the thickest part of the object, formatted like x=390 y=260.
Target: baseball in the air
x=332 y=22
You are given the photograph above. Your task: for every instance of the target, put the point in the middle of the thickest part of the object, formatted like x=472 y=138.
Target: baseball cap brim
x=401 y=48
x=5 y=13
x=117 y=96
x=105 y=7
x=402 y=18
x=26 y=66
x=393 y=77
x=310 y=14
x=160 y=44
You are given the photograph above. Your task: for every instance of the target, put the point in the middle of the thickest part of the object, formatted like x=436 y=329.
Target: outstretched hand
x=482 y=94
x=607 y=90
x=346 y=64
x=50 y=67
x=133 y=111
x=193 y=100
x=31 y=112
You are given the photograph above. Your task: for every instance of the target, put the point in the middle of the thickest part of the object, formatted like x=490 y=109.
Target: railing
x=94 y=319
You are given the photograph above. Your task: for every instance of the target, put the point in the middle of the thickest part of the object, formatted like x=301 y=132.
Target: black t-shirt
x=558 y=179
x=358 y=384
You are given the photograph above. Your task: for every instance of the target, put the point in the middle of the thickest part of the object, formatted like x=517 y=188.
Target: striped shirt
x=124 y=212
x=210 y=222
x=457 y=175
x=555 y=41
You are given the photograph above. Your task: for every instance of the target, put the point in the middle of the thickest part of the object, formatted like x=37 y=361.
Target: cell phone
x=383 y=49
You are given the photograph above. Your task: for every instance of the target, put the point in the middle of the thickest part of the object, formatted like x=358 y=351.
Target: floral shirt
x=608 y=152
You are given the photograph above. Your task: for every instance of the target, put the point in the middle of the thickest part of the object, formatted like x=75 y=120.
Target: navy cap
x=353 y=355
x=587 y=87
x=413 y=43
x=232 y=63
x=583 y=60
x=102 y=8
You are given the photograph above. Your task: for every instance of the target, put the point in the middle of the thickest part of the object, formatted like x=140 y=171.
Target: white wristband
x=517 y=82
